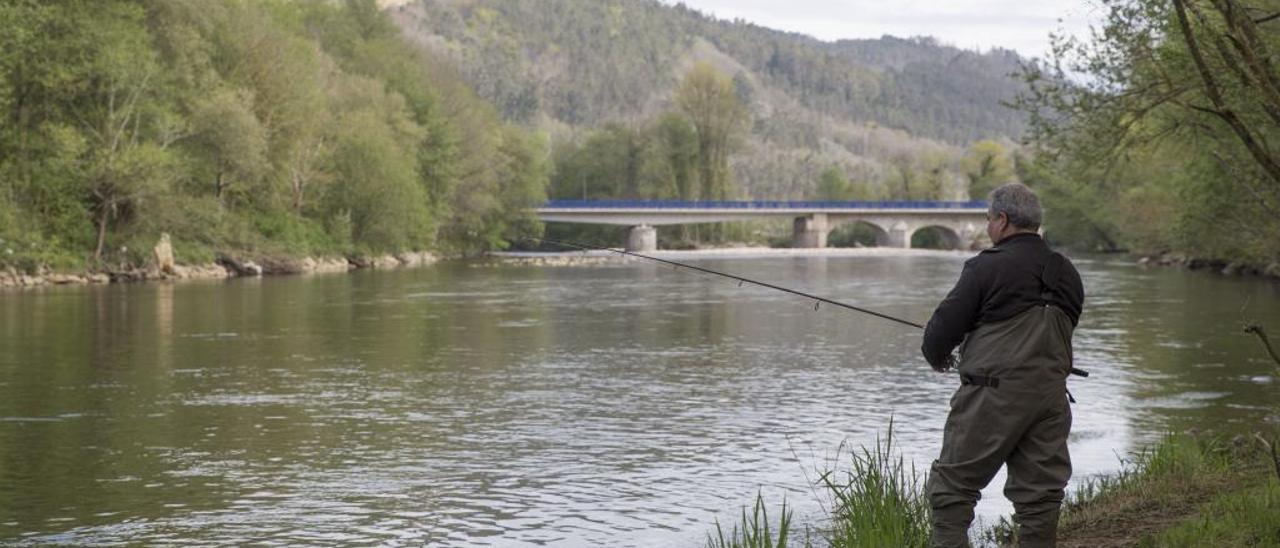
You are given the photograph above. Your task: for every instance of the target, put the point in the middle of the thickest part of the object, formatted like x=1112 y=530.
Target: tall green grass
x=878 y=501
x=753 y=531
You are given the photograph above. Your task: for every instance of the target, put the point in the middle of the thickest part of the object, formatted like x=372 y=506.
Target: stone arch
x=853 y=233
x=941 y=236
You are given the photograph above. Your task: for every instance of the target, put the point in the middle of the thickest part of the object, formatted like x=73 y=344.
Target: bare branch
x=1214 y=92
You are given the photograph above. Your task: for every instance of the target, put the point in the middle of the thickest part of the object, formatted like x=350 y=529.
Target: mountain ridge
x=571 y=66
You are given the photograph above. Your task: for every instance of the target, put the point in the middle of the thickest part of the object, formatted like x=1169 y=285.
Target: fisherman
x=1012 y=313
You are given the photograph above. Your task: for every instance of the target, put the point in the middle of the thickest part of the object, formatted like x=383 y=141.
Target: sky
x=1020 y=25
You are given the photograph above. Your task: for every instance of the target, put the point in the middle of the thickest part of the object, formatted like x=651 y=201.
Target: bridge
x=961 y=223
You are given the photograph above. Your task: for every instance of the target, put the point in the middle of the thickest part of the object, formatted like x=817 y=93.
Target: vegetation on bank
x=276 y=127
x=1168 y=141
x=1184 y=491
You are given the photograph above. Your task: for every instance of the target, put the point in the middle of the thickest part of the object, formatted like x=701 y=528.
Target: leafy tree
x=372 y=162
x=986 y=165
x=1188 y=84
x=833 y=185
x=708 y=98
x=226 y=131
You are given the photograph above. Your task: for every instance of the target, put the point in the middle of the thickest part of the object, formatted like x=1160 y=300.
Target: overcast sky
x=1020 y=25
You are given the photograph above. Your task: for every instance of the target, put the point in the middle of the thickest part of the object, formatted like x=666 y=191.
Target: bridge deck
x=761 y=206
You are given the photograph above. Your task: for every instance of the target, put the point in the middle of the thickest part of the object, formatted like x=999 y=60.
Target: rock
x=98 y=278
x=1233 y=268
x=1197 y=264
x=416 y=258
x=1168 y=259
x=210 y=271
x=1144 y=260
x=330 y=264
x=1273 y=270
x=64 y=279
x=240 y=268
x=384 y=261
x=163 y=254
x=278 y=266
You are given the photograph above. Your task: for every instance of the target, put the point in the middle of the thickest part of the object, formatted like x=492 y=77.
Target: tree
x=708 y=98
x=116 y=110
x=833 y=185
x=1191 y=82
x=227 y=133
x=375 y=180
x=986 y=165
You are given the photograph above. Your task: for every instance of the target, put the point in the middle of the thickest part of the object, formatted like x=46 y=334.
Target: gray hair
x=1018 y=203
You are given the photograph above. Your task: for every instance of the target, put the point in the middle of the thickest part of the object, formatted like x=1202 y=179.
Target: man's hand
x=947 y=364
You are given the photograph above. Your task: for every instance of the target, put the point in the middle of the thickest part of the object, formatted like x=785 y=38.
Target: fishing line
x=741 y=280
x=817 y=300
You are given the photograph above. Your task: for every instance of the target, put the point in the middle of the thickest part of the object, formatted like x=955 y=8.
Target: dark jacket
x=998 y=284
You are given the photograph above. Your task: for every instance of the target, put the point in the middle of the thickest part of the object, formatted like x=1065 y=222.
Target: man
x=1015 y=308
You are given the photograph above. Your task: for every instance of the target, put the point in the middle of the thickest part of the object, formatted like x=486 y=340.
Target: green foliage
x=708 y=98
x=987 y=164
x=1167 y=142
x=833 y=185
x=754 y=531
x=252 y=127
x=879 y=501
x=568 y=67
x=585 y=62
x=1243 y=518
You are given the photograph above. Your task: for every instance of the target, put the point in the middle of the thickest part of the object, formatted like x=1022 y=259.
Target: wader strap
x=969 y=378
x=1048 y=277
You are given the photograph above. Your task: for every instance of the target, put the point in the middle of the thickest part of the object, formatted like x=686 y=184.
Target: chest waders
x=1011 y=408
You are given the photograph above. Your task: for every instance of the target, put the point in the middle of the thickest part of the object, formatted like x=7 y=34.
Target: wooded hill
x=265 y=127
x=881 y=112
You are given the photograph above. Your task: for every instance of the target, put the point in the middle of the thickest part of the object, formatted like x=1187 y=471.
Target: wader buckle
x=970 y=378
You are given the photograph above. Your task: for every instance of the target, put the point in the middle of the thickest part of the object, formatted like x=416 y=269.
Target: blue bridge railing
x=719 y=204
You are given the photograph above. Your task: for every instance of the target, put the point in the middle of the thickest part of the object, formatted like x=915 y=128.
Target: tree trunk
x=103 y=215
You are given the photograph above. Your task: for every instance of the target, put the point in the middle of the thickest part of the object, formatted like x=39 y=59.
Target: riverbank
x=1226 y=268
x=1186 y=491
x=225 y=267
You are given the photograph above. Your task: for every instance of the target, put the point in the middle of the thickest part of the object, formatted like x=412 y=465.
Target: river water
x=477 y=403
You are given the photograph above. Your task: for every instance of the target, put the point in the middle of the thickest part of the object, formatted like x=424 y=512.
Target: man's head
x=1014 y=209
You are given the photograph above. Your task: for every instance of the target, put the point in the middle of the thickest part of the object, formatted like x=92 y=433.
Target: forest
x=264 y=127
x=352 y=128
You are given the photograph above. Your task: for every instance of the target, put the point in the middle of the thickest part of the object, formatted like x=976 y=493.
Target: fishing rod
x=740 y=279
x=818 y=300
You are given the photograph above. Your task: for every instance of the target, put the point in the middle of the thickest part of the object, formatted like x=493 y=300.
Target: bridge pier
x=900 y=235
x=810 y=231
x=642 y=238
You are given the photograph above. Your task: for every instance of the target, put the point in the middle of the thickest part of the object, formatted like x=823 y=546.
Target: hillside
x=869 y=107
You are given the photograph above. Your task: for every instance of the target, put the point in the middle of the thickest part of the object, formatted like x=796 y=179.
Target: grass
x=753 y=530
x=878 y=501
x=1248 y=517
x=1183 y=491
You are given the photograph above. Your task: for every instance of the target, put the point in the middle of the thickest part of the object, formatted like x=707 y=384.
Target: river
x=478 y=403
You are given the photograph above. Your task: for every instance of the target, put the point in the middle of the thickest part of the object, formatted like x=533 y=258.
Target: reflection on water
x=624 y=404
